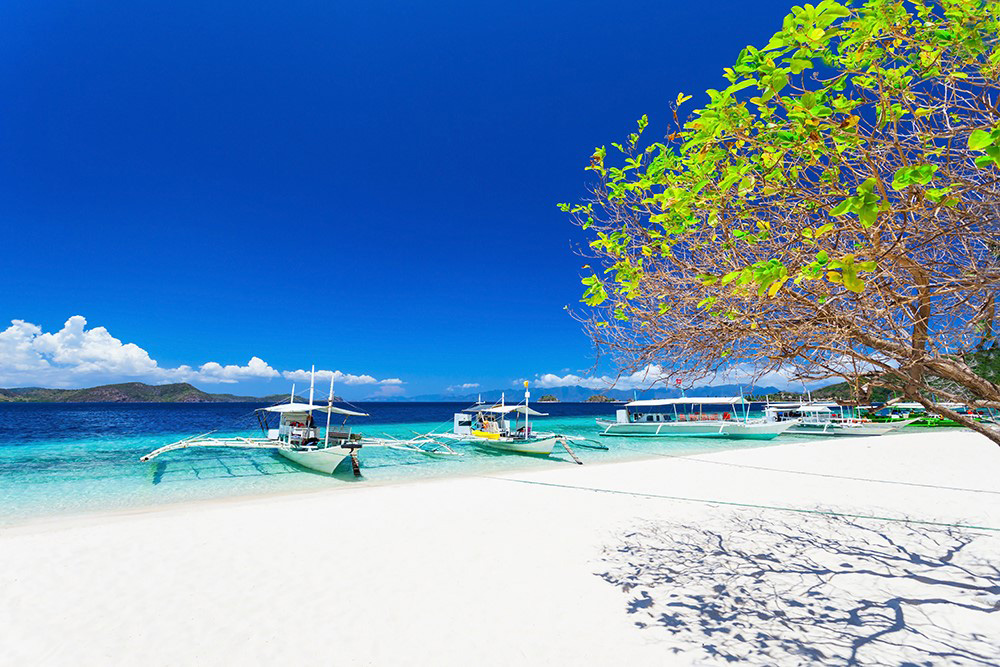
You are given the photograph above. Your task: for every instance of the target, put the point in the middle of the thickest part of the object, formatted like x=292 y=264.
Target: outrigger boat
x=492 y=427
x=820 y=419
x=916 y=414
x=686 y=417
x=297 y=438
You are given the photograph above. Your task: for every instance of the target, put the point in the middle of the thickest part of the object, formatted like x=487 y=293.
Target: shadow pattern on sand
x=754 y=589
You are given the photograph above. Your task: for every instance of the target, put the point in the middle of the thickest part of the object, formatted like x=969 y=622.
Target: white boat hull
x=699 y=429
x=833 y=430
x=321 y=460
x=540 y=446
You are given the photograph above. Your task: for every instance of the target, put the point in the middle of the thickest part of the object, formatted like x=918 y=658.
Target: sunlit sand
x=880 y=550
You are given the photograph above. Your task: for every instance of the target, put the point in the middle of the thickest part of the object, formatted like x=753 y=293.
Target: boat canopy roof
x=507 y=409
x=691 y=400
x=306 y=407
x=919 y=406
x=799 y=407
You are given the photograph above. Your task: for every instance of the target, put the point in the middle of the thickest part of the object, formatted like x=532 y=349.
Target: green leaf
x=731 y=276
x=842 y=208
x=868 y=215
x=595 y=294
x=776 y=285
x=979 y=140
x=736 y=87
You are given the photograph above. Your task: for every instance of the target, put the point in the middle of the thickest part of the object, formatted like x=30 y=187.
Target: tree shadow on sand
x=753 y=589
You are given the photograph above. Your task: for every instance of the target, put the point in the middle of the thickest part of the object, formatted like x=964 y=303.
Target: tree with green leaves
x=833 y=212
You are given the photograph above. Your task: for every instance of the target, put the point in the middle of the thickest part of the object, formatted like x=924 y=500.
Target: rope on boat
x=585 y=442
x=569 y=451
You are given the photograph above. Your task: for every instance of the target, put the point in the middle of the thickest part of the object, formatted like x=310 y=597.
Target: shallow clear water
x=72 y=458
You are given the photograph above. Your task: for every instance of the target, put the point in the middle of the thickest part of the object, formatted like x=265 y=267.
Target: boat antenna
x=329 y=412
x=312 y=384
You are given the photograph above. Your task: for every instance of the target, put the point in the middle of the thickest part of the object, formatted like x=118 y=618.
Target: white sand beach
x=702 y=559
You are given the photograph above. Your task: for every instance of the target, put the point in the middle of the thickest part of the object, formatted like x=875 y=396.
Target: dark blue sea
x=69 y=458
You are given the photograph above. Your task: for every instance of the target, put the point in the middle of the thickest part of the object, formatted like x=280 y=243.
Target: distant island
x=580 y=394
x=182 y=392
x=131 y=392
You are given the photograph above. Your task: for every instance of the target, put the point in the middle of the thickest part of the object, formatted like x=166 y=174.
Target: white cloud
x=76 y=356
x=29 y=355
x=323 y=377
x=389 y=390
x=465 y=386
x=255 y=369
x=654 y=374
x=641 y=379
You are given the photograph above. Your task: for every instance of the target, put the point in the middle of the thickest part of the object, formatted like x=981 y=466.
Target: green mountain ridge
x=843 y=391
x=129 y=392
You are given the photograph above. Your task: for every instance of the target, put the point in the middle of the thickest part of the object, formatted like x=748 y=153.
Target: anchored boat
x=506 y=428
x=296 y=437
x=916 y=414
x=820 y=419
x=726 y=417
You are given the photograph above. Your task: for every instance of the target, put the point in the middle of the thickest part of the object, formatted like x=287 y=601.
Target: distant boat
x=821 y=419
x=686 y=417
x=505 y=428
x=917 y=415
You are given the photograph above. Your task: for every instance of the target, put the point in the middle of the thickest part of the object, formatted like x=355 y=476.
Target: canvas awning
x=305 y=407
x=691 y=400
x=799 y=407
x=507 y=409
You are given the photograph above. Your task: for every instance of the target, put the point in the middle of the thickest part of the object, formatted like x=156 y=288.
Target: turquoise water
x=58 y=459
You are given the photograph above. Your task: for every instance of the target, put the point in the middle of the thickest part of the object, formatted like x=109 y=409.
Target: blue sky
x=369 y=187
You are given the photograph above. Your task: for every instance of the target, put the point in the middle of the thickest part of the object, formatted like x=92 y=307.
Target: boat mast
x=291 y=399
x=527 y=394
x=329 y=412
x=500 y=420
x=312 y=384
